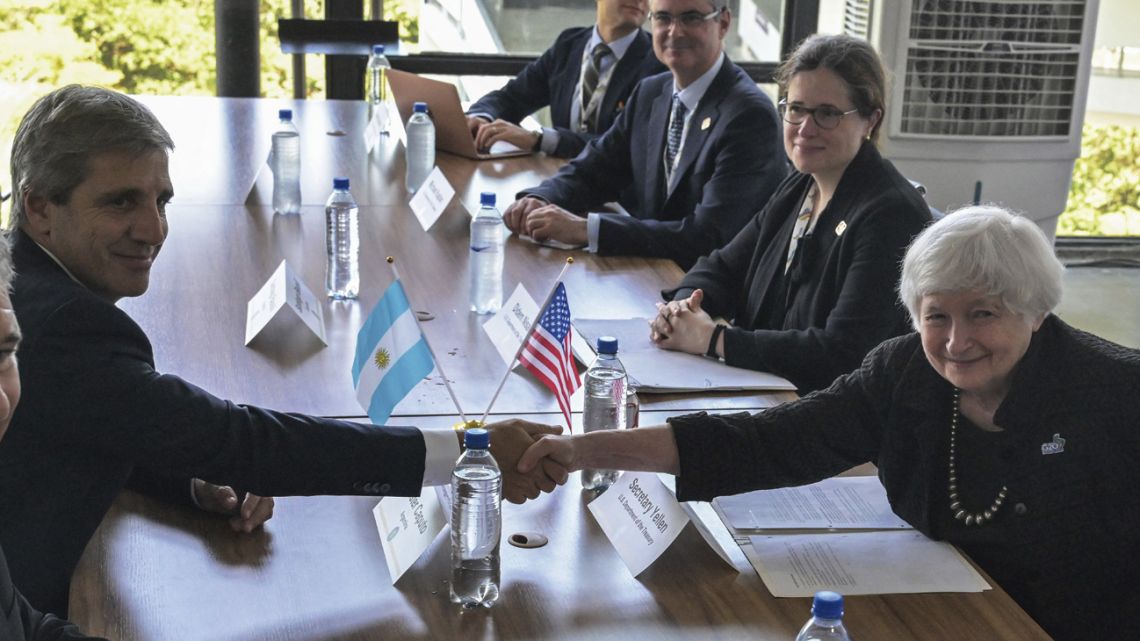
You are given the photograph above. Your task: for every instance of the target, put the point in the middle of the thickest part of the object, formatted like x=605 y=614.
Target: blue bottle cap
x=340 y=183
x=285 y=114
x=377 y=50
x=827 y=605
x=607 y=345
x=487 y=199
x=476 y=438
x=420 y=107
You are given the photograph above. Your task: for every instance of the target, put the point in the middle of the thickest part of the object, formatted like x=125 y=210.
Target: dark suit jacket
x=726 y=171
x=95 y=413
x=552 y=79
x=838 y=299
x=1065 y=543
x=19 y=621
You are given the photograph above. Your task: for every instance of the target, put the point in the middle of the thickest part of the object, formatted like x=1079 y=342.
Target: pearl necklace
x=960 y=514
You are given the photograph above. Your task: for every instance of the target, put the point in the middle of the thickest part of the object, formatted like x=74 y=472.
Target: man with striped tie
x=585 y=78
x=694 y=154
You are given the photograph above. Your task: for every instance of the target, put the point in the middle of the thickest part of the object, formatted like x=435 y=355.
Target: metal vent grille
x=1045 y=22
x=857 y=18
x=1003 y=68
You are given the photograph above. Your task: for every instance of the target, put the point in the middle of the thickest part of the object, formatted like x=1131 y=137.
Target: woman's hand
x=682 y=325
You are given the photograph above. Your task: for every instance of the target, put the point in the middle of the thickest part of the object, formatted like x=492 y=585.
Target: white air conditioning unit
x=987 y=97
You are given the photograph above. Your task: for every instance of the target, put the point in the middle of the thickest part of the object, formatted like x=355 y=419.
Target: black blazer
x=731 y=162
x=1065 y=543
x=838 y=299
x=19 y=621
x=552 y=79
x=95 y=415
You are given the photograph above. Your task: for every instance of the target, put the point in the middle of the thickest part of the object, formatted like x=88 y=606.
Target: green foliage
x=1104 y=199
x=147 y=46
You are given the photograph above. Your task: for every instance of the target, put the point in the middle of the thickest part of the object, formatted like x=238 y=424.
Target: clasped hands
x=682 y=325
x=542 y=221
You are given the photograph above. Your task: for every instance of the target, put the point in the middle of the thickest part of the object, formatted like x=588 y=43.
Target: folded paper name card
x=284 y=289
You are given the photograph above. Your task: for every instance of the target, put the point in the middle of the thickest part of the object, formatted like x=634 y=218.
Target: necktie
x=590 y=76
x=676 y=128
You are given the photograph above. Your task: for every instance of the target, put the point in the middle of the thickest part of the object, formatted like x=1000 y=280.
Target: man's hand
x=491 y=133
x=682 y=325
x=555 y=223
x=509 y=440
x=221 y=499
x=474 y=123
x=516 y=214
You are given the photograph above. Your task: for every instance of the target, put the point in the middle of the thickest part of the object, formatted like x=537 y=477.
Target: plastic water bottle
x=285 y=162
x=476 y=523
x=377 y=86
x=485 y=259
x=604 y=407
x=826 y=622
x=420 y=155
x=342 y=241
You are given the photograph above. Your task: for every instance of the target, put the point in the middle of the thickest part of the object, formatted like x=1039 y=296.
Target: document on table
x=852 y=502
x=658 y=370
x=799 y=565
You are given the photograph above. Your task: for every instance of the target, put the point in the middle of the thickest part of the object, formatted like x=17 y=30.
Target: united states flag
x=547 y=351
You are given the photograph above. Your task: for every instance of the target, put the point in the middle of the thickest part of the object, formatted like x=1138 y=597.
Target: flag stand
x=537 y=317
x=447 y=384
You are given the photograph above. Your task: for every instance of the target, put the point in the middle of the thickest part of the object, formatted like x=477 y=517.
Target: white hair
x=986 y=248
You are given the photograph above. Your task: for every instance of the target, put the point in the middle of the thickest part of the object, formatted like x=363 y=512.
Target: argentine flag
x=391 y=355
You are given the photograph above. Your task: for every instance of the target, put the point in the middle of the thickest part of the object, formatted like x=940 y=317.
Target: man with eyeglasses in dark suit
x=694 y=154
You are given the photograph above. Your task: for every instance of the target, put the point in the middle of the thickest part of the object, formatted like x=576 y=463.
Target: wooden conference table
x=317 y=571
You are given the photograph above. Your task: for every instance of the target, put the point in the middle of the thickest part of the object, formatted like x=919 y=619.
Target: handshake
x=535 y=458
x=516 y=443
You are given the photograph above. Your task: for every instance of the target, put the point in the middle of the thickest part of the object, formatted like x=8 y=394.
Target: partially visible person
x=691 y=157
x=91 y=186
x=997 y=427
x=808 y=283
x=19 y=621
x=585 y=78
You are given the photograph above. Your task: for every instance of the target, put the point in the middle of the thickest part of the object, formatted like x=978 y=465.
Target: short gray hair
x=987 y=248
x=65 y=129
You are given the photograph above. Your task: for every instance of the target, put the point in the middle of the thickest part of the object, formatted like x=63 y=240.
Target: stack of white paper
x=658 y=370
x=799 y=551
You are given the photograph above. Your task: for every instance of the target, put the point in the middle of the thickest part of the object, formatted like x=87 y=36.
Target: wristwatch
x=717 y=331
x=537 y=140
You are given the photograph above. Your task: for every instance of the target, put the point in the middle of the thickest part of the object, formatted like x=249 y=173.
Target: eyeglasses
x=825 y=116
x=689 y=19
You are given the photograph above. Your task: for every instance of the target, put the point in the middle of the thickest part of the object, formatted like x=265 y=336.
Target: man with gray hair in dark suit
x=694 y=154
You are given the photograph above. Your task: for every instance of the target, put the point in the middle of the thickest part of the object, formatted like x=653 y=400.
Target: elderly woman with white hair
x=997 y=427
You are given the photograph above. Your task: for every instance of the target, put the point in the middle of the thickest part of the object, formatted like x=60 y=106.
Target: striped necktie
x=590 y=75
x=676 y=128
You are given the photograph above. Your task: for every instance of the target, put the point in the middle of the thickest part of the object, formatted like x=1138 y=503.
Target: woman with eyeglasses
x=809 y=283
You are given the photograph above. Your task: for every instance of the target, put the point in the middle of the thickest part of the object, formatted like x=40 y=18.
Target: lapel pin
x=1056 y=446
x=840 y=228
x=706 y=123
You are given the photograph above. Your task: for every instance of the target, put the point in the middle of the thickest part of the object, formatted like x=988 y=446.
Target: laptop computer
x=451 y=132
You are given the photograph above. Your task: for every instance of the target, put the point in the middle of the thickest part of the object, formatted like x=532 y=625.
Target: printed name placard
x=640 y=517
x=283 y=289
x=431 y=198
x=407 y=526
x=508 y=326
x=375 y=128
